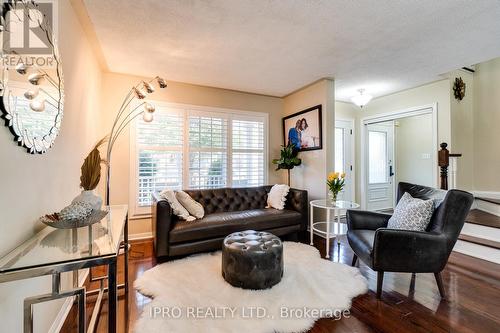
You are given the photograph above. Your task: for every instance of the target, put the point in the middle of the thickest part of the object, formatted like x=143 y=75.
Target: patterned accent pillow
x=411 y=214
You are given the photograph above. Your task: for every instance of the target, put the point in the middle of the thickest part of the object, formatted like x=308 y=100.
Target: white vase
x=91 y=198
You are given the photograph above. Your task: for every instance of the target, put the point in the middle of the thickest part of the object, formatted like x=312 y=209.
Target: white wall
x=486 y=126
x=311 y=174
x=462 y=129
x=33 y=185
x=413 y=148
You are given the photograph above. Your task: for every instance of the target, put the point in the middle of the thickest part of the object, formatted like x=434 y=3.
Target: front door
x=380 y=167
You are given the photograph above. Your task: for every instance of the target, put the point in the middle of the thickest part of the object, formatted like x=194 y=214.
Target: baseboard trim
x=58 y=322
x=141 y=236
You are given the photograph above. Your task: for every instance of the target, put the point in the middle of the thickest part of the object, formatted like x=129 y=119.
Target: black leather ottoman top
x=252 y=259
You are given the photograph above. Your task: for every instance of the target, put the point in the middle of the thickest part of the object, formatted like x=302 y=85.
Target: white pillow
x=277 y=196
x=178 y=209
x=411 y=214
x=193 y=207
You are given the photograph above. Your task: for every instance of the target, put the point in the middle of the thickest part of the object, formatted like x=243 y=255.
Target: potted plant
x=288 y=159
x=335 y=183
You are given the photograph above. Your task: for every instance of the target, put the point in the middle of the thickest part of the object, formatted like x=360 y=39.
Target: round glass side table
x=333 y=228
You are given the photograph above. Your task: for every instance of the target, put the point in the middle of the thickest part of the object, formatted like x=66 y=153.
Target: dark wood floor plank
x=408 y=304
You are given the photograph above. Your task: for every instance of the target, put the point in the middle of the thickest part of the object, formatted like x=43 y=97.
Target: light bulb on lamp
x=21 y=68
x=362 y=99
x=31 y=94
x=139 y=94
x=38 y=105
x=35 y=78
x=149 y=107
x=161 y=82
x=148 y=87
x=147 y=116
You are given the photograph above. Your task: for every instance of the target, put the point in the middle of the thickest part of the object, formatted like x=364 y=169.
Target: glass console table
x=54 y=251
x=331 y=228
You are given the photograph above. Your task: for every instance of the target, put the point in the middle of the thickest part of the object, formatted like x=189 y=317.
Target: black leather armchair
x=389 y=250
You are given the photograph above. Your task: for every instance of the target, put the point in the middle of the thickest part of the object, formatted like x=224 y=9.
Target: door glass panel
x=339 y=150
x=377 y=157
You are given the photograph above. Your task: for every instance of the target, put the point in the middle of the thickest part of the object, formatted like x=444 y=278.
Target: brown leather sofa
x=227 y=210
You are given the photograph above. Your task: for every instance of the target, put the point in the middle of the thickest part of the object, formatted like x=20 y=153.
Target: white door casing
x=383 y=117
x=380 y=166
x=344 y=156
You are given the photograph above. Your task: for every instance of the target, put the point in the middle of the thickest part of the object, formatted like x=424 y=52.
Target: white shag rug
x=190 y=295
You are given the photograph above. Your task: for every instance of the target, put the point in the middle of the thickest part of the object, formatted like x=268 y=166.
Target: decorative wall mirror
x=31 y=86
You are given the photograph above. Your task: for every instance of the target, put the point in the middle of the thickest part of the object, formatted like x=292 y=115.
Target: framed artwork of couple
x=303 y=129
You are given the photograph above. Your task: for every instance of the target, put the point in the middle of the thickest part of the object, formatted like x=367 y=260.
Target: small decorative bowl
x=94 y=217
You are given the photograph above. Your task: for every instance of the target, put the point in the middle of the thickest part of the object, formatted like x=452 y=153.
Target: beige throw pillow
x=277 y=196
x=178 y=209
x=193 y=207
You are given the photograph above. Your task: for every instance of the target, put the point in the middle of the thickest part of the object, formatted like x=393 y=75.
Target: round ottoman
x=252 y=259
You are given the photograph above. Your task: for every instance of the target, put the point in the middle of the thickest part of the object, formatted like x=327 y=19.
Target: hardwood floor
x=409 y=303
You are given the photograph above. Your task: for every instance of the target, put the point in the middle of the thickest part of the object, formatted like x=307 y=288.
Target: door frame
x=352 y=151
x=382 y=117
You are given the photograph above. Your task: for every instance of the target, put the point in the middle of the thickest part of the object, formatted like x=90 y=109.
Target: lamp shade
x=362 y=99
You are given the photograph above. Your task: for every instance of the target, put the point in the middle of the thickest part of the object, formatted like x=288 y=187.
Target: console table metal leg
x=55 y=294
x=311 y=225
x=327 y=234
x=112 y=296
x=126 y=248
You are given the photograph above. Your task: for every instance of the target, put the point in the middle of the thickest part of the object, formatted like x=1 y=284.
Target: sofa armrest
x=363 y=219
x=409 y=251
x=162 y=219
x=297 y=200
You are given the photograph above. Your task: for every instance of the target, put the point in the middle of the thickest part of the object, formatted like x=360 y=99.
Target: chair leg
x=380 y=281
x=354 y=259
x=439 y=281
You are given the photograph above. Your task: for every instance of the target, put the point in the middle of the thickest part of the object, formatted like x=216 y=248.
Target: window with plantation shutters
x=247 y=152
x=207 y=151
x=159 y=154
x=196 y=148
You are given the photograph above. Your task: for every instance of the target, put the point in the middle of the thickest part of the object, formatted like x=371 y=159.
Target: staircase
x=480 y=235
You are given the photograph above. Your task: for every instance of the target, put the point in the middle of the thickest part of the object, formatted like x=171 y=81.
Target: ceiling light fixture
x=362 y=99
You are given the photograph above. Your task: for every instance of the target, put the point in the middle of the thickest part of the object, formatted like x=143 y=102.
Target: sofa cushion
x=221 y=200
x=222 y=224
x=361 y=242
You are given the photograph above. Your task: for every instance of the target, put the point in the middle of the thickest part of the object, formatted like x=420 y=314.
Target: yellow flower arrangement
x=335 y=182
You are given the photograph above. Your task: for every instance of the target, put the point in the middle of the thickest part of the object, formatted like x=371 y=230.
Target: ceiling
x=276 y=47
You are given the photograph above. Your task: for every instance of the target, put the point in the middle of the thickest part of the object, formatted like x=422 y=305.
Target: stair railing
x=444 y=164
